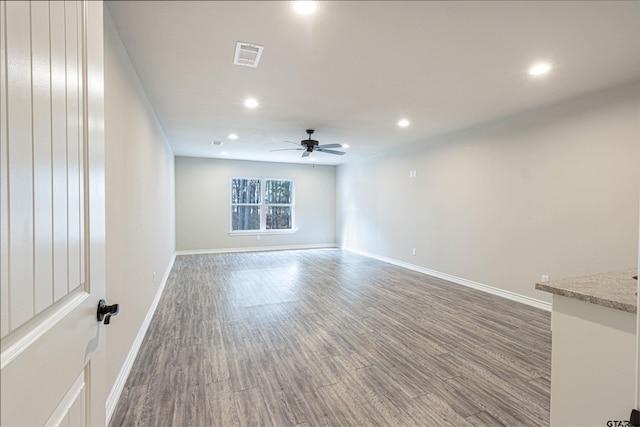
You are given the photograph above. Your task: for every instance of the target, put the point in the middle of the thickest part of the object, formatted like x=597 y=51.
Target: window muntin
x=262 y=204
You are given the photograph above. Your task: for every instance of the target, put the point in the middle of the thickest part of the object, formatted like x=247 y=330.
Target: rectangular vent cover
x=247 y=54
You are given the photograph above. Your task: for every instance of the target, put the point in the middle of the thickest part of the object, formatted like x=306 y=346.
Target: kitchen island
x=593 y=358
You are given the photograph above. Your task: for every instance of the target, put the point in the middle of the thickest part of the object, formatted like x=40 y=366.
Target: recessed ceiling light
x=224 y=153
x=313 y=159
x=251 y=103
x=345 y=145
x=403 y=123
x=304 y=7
x=233 y=136
x=539 y=69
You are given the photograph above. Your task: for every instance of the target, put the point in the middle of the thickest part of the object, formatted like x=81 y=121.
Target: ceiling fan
x=310 y=145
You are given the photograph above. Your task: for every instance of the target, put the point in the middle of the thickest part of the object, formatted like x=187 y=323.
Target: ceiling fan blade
x=288 y=149
x=330 y=146
x=339 y=153
x=306 y=154
x=291 y=142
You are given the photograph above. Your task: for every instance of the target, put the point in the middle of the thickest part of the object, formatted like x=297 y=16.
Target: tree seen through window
x=261 y=204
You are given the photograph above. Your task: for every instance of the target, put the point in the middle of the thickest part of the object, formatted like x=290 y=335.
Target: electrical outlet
x=258 y=237
x=154 y=277
x=413 y=251
x=544 y=278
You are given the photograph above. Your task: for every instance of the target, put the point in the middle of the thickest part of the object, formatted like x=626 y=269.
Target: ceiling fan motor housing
x=309 y=143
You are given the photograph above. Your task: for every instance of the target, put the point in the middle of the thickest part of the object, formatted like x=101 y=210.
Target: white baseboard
x=118 y=386
x=543 y=305
x=257 y=249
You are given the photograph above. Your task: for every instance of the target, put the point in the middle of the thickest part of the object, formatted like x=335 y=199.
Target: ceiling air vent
x=247 y=54
x=216 y=143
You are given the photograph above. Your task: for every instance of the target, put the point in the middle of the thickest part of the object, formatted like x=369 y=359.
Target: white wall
x=552 y=191
x=139 y=200
x=203 y=203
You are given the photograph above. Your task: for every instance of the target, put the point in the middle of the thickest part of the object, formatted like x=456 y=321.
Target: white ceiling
x=354 y=68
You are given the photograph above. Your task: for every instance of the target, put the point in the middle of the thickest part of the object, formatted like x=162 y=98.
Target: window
x=261 y=204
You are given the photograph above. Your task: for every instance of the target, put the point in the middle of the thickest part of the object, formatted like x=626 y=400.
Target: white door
x=52 y=213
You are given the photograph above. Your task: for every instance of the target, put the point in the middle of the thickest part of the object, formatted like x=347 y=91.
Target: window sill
x=262 y=233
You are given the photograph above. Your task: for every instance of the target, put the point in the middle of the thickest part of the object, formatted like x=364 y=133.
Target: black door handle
x=106 y=311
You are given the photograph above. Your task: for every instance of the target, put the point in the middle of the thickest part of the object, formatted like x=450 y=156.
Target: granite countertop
x=615 y=289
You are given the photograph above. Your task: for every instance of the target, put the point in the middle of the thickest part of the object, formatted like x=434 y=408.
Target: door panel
x=59 y=148
x=52 y=213
x=74 y=120
x=42 y=197
x=31 y=168
x=19 y=152
x=71 y=411
x=4 y=178
x=49 y=365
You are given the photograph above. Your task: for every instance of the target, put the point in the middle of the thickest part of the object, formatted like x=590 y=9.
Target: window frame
x=262 y=208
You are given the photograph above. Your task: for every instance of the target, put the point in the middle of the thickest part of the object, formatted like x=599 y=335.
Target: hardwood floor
x=330 y=338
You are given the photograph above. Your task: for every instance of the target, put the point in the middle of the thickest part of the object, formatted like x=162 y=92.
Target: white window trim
x=261 y=233
x=261 y=206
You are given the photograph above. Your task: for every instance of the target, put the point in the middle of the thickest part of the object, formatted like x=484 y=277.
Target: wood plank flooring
x=330 y=338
